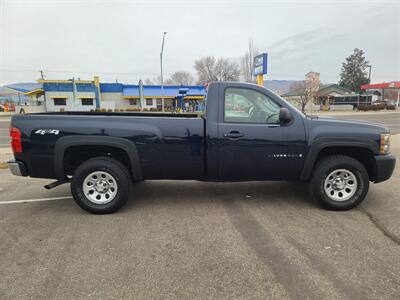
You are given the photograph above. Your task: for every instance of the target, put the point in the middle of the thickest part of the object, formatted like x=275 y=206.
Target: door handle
x=234 y=134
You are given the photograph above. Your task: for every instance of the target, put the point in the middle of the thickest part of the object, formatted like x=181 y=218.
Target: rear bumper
x=17 y=168
x=384 y=167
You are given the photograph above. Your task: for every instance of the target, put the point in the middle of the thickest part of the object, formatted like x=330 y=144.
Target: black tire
x=110 y=166
x=339 y=162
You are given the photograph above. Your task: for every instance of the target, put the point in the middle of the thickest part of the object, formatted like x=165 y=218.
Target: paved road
x=4 y=126
x=187 y=240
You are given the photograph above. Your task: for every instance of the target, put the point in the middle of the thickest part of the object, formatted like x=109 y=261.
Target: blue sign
x=260 y=64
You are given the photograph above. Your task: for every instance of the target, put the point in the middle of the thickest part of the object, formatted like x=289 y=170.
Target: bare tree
x=210 y=69
x=180 y=78
x=305 y=91
x=247 y=62
x=148 y=81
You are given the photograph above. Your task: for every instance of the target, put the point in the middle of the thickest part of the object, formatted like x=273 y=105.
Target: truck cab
x=257 y=135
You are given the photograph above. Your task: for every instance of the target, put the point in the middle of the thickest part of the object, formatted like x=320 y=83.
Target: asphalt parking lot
x=194 y=240
x=188 y=240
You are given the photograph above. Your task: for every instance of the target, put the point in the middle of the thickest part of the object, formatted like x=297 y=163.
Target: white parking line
x=35 y=200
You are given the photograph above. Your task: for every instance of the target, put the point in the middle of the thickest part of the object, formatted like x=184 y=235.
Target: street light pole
x=162 y=80
x=369 y=73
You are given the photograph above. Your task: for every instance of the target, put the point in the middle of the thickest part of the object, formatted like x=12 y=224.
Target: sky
x=121 y=39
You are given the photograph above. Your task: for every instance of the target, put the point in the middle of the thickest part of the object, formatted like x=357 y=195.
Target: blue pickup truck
x=245 y=133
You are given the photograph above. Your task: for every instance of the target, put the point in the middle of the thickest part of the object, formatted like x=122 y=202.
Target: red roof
x=385 y=85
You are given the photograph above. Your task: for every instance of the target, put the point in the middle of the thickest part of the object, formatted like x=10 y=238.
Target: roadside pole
x=260 y=80
x=260 y=67
x=161 y=65
x=44 y=92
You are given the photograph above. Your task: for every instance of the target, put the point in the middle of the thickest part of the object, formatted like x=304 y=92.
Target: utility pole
x=162 y=80
x=369 y=73
x=44 y=92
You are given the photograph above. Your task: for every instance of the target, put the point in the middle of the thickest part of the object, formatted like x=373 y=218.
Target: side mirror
x=285 y=116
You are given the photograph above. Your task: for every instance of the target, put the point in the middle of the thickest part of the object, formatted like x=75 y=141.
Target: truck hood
x=350 y=124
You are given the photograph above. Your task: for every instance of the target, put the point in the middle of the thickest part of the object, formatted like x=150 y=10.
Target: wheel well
x=75 y=155
x=363 y=155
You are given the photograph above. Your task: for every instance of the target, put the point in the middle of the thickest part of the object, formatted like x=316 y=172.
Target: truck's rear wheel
x=101 y=185
x=339 y=182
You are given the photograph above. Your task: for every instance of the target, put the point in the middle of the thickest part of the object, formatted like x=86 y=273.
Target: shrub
x=378 y=106
x=133 y=109
x=109 y=110
x=364 y=107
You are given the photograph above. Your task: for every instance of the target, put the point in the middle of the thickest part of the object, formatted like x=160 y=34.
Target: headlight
x=385 y=143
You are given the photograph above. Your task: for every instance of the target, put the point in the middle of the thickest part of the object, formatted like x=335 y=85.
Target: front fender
x=320 y=144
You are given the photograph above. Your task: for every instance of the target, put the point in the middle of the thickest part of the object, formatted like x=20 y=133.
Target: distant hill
x=279 y=86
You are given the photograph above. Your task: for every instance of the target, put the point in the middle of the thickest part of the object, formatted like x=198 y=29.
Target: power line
x=83 y=72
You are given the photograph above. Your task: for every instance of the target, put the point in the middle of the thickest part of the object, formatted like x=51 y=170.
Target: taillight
x=15 y=136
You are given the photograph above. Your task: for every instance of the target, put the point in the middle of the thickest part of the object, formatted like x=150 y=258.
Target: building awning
x=194 y=98
x=384 y=85
x=148 y=97
x=25 y=87
x=37 y=91
x=91 y=96
x=168 y=91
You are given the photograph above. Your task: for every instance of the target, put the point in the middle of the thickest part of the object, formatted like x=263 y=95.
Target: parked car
x=246 y=133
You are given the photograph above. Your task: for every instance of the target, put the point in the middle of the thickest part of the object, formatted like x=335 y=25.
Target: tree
x=306 y=90
x=180 y=78
x=148 y=81
x=354 y=73
x=210 y=69
x=247 y=62
x=155 y=81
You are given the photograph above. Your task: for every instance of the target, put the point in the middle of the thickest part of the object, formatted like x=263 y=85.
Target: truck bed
x=169 y=145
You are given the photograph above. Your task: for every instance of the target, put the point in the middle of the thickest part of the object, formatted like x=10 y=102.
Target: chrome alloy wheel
x=340 y=185
x=100 y=187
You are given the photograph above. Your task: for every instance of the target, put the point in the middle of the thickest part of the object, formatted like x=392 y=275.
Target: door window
x=243 y=105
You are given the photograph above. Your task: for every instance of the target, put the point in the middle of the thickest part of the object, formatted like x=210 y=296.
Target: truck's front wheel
x=339 y=182
x=101 y=185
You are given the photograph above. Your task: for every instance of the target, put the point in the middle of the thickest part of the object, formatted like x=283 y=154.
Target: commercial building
x=327 y=96
x=21 y=93
x=383 y=89
x=86 y=95
x=189 y=98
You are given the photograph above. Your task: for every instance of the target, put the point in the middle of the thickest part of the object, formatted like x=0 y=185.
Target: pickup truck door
x=253 y=145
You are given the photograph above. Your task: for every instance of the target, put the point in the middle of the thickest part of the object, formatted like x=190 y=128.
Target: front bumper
x=384 y=167
x=17 y=168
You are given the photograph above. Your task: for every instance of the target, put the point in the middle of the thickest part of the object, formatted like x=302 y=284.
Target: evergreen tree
x=354 y=71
